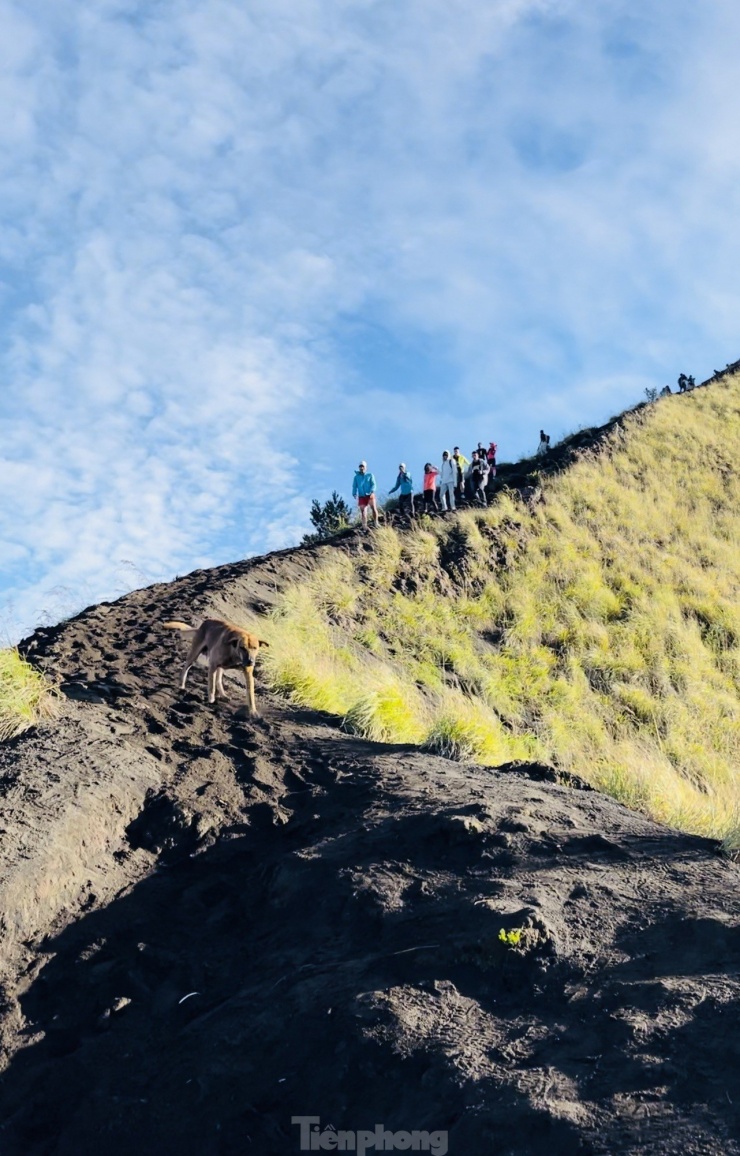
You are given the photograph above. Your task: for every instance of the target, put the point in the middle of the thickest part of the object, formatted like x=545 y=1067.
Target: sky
x=245 y=243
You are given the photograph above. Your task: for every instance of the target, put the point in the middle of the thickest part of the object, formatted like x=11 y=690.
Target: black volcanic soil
x=211 y=925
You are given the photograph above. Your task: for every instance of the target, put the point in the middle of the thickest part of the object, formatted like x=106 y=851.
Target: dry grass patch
x=26 y=695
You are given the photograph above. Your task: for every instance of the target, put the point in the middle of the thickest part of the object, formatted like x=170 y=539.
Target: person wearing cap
x=447 y=481
x=405 y=485
x=363 y=488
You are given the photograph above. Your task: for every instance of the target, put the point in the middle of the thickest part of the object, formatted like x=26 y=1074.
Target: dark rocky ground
x=211 y=925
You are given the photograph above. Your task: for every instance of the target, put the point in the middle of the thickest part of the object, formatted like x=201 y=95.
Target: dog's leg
x=212 y=679
x=249 y=679
x=220 y=683
x=196 y=649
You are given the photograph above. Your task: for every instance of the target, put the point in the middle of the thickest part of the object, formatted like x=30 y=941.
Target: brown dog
x=229 y=648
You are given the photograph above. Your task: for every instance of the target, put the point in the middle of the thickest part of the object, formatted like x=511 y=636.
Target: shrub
x=26 y=696
x=331 y=518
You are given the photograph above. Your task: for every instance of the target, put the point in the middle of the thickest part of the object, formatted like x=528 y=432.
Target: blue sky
x=244 y=243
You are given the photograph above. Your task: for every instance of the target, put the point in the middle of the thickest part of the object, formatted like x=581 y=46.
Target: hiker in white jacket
x=447 y=481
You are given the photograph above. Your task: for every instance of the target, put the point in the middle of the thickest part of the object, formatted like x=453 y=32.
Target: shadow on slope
x=339 y=955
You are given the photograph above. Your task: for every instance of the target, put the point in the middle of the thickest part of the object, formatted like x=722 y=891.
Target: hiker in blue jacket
x=363 y=488
x=405 y=484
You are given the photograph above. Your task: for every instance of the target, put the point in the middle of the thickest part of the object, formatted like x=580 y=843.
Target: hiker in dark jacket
x=544 y=445
x=479 y=476
x=405 y=485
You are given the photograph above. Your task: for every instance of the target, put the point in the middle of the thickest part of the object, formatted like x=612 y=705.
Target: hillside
x=213 y=924
x=595 y=627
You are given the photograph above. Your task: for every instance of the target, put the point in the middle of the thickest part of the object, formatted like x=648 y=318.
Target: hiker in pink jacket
x=430 y=486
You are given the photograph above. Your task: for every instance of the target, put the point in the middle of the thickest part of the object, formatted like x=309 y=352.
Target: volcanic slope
x=590 y=618
x=212 y=925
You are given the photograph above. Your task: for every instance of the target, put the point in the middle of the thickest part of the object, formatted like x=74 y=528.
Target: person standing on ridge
x=363 y=488
x=461 y=462
x=404 y=483
x=544 y=445
x=480 y=477
x=447 y=480
x=430 y=485
x=491 y=457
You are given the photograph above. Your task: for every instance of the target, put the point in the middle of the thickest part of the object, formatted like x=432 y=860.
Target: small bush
x=390 y=714
x=330 y=519
x=26 y=696
x=510 y=938
x=453 y=739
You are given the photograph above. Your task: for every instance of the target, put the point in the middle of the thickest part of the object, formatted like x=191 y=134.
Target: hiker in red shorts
x=363 y=488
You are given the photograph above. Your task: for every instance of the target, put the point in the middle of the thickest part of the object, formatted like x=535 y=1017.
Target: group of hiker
x=456 y=481
x=684 y=384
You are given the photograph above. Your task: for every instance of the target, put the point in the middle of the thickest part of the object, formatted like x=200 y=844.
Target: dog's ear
x=263 y=643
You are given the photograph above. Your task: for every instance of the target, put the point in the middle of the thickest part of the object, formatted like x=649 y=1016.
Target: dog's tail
x=188 y=631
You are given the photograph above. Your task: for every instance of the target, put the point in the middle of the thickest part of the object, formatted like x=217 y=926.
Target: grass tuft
x=26 y=695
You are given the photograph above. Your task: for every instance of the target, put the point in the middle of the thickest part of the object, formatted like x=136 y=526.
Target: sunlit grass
x=26 y=696
x=599 y=630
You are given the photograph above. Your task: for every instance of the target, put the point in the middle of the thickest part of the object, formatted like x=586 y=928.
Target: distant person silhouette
x=544 y=445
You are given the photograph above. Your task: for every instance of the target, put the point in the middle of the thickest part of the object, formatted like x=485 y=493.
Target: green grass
x=26 y=696
x=599 y=631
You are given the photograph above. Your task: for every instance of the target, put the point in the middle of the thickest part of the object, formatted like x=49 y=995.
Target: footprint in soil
x=185 y=709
